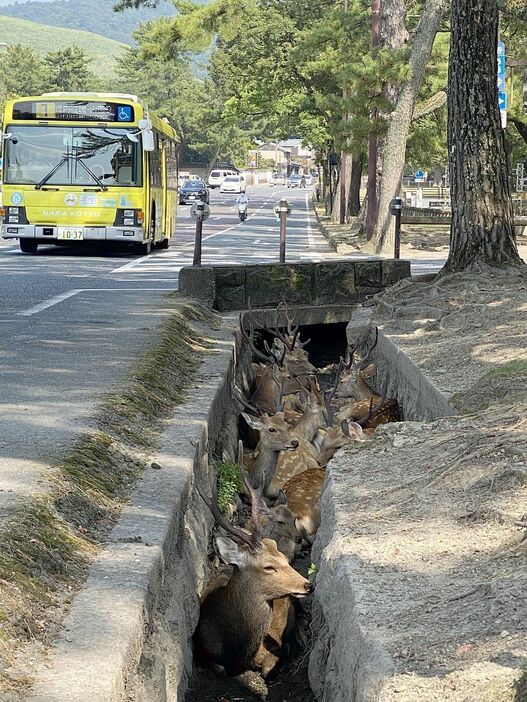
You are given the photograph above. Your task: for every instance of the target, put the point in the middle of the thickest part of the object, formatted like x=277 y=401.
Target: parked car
x=193 y=190
x=296 y=181
x=217 y=177
x=309 y=178
x=233 y=184
x=278 y=179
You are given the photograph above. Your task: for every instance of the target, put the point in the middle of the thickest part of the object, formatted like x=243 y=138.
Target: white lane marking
x=310 y=236
x=48 y=303
x=257 y=241
x=64 y=296
x=131 y=264
x=190 y=245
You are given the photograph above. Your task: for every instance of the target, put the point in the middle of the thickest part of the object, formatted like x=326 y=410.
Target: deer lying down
x=237 y=611
x=235 y=618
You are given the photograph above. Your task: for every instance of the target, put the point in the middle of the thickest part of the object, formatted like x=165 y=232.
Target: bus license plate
x=70 y=233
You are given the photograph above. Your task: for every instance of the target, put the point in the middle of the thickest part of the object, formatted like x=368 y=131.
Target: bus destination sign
x=74 y=110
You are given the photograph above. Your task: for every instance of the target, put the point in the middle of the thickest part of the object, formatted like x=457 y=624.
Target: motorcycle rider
x=242 y=202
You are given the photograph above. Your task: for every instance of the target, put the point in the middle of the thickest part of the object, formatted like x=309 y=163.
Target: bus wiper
x=61 y=163
x=50 y=175
x=91 y=173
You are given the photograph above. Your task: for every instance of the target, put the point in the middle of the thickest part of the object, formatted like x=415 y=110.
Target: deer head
x=278 y=523
x=336 y=437
x=275 y=436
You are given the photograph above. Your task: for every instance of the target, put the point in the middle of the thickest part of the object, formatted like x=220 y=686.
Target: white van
x=217 y=177
x=233 y=184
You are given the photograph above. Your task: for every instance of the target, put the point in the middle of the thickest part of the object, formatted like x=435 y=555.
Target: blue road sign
x=419 y=175
x=501 y=84
x=502 y=101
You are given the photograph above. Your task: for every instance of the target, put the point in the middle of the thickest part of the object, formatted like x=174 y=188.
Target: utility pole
x=371 y=214
x=343 y=161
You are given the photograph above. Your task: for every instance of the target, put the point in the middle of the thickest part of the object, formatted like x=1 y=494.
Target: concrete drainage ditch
x=128 y=635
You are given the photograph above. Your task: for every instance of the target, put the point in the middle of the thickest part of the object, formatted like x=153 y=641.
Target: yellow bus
x=87 y=167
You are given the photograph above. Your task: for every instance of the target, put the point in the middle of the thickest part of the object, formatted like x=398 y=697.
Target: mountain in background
x=43 y=38
x=95 y=16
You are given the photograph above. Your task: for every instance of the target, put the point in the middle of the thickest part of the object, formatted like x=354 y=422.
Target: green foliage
x=229 y=484
x=67 y=69
x=24 y=72
x=21 y=72
x=164 y=75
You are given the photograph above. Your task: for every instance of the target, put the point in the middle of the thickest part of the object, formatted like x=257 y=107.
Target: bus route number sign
x=75 y=110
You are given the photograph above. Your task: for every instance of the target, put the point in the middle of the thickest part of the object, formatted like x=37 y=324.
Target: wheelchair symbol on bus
x=124 y=113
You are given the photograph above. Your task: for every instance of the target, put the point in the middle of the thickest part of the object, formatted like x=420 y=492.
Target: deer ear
x=369 y=371
x=253 y=422
x=231 y=552
x=355 y=431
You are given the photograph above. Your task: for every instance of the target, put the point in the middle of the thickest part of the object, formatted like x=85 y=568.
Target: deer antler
x=243 y=405
x=364 y=359
x=255 y=496
x=374 y=410
x=330 y=394
x=256 y=352
x=252 y=541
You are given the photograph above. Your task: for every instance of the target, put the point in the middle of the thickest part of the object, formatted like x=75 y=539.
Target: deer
x=315 y=417
x=303 y=494
x=342 y=434
x=355 y=385
x=238 y=609
x=278 y=523
x=275 y=436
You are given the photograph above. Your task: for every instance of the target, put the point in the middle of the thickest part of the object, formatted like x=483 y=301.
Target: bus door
x=156 y=159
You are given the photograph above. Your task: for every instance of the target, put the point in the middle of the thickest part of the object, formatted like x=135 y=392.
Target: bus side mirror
x=148 y=140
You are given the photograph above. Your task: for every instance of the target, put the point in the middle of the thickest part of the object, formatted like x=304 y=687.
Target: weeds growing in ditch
x=230 y=483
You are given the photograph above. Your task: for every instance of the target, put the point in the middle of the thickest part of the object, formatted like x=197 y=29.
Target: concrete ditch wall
x=229 y=288
x=127 y=635
x=348 y=662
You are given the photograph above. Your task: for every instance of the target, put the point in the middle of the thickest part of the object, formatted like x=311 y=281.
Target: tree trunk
x=393 y=36
x=354 y=186
x=401 y=118
x=482 y=230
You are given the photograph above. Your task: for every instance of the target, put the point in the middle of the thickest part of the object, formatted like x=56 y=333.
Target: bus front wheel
x=29 y=246
x=164 y=243
x=144 y=248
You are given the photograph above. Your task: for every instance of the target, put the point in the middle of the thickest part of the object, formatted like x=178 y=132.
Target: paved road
x=72 y=320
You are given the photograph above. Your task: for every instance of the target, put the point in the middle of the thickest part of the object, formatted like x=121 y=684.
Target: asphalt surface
x=73 y=319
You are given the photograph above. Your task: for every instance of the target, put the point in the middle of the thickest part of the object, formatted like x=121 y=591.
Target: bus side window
x=172 y=171
x=155 y=163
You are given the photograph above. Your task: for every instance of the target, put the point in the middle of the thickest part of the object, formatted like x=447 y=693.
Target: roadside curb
x=99 y=650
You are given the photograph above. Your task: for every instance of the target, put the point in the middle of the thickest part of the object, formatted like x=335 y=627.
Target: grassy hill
x=95 y=16
x=43 y=38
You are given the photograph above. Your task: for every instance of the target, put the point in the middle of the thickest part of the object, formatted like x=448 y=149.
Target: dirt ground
x=434 y=515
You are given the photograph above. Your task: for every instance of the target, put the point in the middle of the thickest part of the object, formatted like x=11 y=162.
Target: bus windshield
x=56 y=156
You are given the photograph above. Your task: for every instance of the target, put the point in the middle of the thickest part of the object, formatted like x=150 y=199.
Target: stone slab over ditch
x=229 y=288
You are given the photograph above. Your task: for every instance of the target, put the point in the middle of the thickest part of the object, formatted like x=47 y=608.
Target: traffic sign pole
x=282 y=211
x=200 y=212
x=197 y=242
